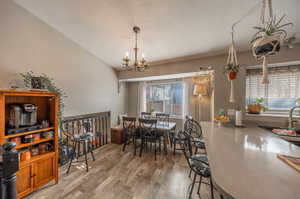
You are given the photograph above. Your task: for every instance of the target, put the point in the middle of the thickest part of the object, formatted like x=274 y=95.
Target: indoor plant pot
x=231 y=71
x=254 y=108
x=267 y=45
x=231 y=75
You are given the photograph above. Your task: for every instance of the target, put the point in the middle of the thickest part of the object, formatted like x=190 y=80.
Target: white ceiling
x=170 y=28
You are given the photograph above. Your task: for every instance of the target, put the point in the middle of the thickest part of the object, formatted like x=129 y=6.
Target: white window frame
x=183 y=95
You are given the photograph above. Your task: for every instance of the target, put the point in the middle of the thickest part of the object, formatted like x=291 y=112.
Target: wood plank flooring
x=121 y=175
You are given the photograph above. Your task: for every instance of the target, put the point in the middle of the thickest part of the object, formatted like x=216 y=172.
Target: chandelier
x=137 y=65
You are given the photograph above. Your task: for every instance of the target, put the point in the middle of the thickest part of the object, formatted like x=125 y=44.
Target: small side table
x=117 y=136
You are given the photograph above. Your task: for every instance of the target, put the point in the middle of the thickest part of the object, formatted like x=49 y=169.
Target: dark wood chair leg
x=142 y=146
x=211 y=188
x=134 y=140
x=190 y=173
x=125 y=143
x=221 y=196
x=155 y=147
x=174 y=147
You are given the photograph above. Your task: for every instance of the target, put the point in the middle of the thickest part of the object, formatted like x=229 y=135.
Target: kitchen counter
x=244 y=163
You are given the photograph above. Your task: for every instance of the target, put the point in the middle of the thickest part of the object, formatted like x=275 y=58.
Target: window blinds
x=280 y=93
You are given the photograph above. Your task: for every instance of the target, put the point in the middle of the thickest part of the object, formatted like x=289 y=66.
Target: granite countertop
x=244 y=162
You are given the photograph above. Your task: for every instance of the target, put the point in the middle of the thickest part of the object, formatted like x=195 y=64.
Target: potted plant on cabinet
x=268 y=38
x=231 y=70
x=257 y=107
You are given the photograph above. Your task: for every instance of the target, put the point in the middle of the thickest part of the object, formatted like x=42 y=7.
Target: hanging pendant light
x=137 y=65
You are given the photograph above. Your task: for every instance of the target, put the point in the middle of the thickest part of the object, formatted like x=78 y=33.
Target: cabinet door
x=25 y=181
x=44 y=170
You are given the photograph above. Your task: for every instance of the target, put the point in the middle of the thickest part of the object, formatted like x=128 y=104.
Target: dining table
x=166 y=128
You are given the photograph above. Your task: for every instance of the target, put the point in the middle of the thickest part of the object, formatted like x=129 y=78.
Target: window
x=282 y=91
x=165 y=98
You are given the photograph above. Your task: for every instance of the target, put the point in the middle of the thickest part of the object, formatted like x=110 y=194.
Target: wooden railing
x=96 y=123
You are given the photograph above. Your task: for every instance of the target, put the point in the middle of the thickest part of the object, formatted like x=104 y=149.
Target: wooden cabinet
x=117 y=135
x=40 y=168
x=44 y=171
x=25 y=180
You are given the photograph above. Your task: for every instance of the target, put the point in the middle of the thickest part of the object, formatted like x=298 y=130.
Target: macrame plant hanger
x=265 y=78
x=232 y=59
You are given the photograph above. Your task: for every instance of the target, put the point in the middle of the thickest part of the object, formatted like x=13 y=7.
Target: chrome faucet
x=291 y=121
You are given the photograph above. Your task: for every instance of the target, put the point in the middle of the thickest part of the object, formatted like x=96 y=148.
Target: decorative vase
x=231 y=75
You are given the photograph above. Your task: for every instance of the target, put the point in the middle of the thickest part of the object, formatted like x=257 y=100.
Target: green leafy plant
x=261 y=102
x=232 y=67
x=272 y=27
x=298 y=100
x=48 y=84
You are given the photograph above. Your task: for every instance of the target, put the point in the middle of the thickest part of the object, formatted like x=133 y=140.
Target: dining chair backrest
x=147 y=127
x=145 y=115
x=129 y=124
x=163 y=118
x=193 y=128
x=185 y=144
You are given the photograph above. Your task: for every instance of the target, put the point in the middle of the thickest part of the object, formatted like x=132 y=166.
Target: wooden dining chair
x=129 y=129
x=149 y=134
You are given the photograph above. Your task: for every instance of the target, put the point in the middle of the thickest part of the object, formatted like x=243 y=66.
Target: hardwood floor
x=120 y=175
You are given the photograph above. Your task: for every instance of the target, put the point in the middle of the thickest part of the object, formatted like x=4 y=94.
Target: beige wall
x=221 y=84
x=26 y=44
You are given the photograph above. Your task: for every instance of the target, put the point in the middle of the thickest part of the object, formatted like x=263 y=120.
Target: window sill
x=270 y=115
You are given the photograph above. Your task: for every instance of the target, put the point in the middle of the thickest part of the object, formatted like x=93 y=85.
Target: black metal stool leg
x=199 y=185
x=92 y=154
x=85 y=155
x=192 y=188
x=190 y=173
x=73 y=155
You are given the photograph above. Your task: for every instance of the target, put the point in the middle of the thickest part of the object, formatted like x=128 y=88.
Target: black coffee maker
x=9 y=165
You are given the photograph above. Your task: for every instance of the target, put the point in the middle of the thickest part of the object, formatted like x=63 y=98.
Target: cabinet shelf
x=34 y=143
x=29 y=132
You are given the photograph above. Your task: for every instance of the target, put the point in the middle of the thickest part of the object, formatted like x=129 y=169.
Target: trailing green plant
x=232 y=67
x=49 y=84
x=298 y=100
x=272 y=27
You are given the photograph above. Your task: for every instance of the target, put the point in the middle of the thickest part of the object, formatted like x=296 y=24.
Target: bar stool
x=81 y=139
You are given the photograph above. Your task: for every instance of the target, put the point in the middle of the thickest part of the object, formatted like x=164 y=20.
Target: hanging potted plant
x=268 y=38
x=231 y=70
